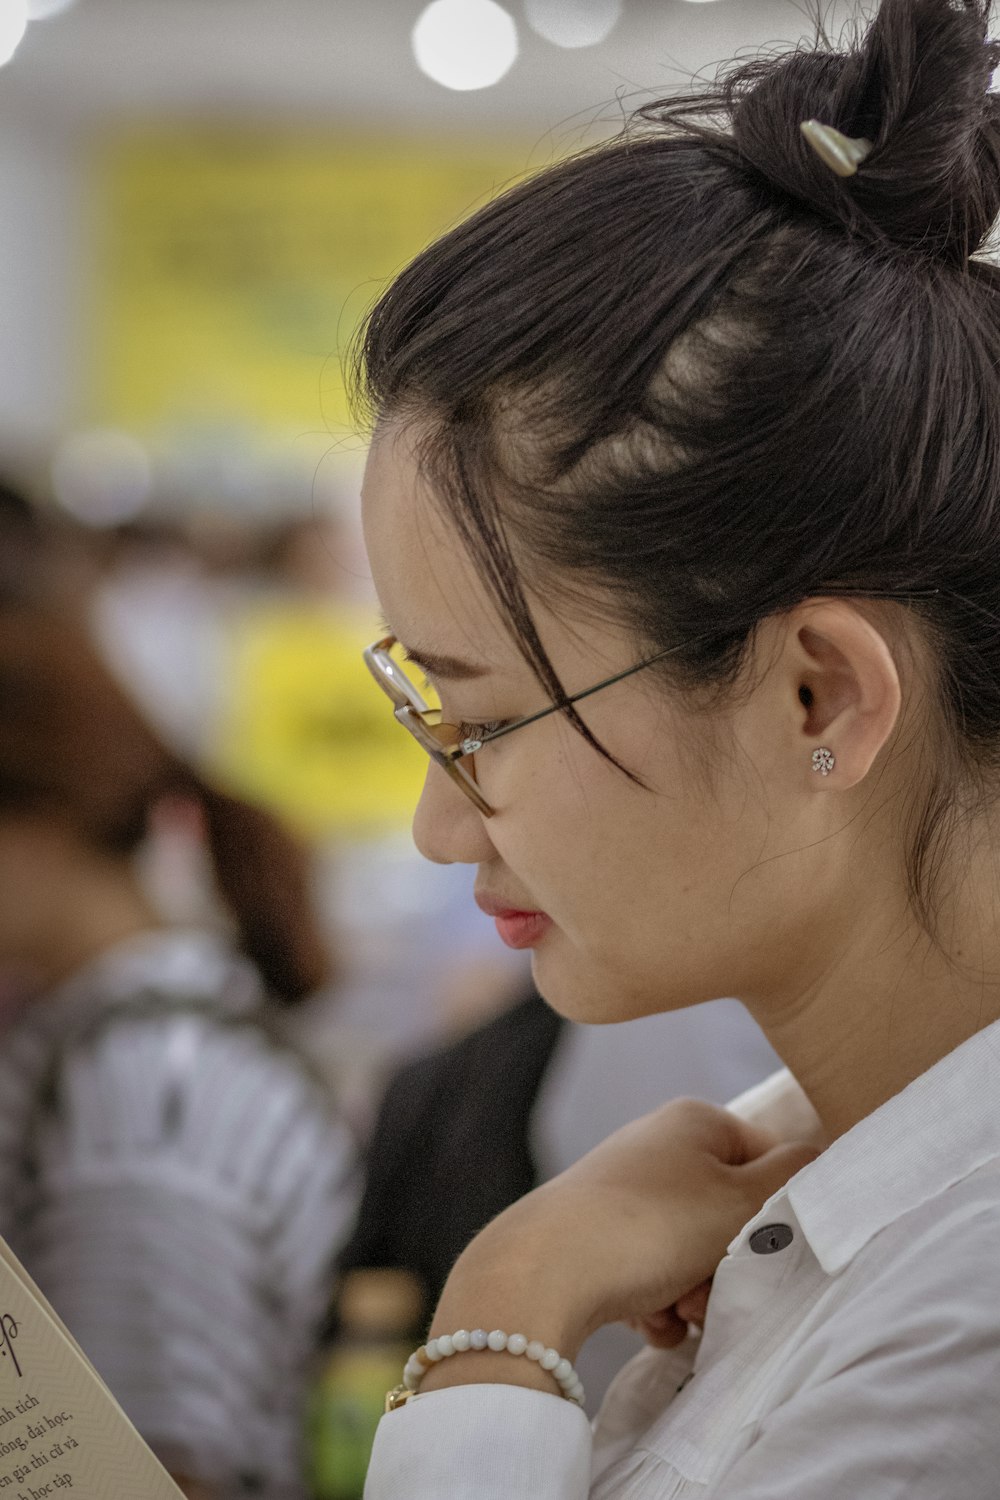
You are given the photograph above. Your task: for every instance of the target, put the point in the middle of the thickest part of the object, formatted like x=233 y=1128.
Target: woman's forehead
x=431 y=590
x=397 y=494
x=427 y=583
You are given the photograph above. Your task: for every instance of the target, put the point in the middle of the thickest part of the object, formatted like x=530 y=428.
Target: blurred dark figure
x=170 y=1173
x=452 y=1146
x=21 y=546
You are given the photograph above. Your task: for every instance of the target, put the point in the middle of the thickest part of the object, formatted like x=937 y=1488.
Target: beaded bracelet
x=499 y=1343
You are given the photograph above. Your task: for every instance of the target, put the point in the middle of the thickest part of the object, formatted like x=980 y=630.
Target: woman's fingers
x=693 y=1307
x=663 y=1329
x=668 y=1327
x=759 y=1178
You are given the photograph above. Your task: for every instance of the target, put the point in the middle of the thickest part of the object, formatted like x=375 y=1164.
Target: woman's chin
x=580 y=990
x=577 y=986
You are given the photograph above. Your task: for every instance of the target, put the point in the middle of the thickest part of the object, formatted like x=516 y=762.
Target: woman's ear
x=846 y=684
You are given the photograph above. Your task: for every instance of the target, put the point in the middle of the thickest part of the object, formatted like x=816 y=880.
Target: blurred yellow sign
x=307 y=731
x=236 y=266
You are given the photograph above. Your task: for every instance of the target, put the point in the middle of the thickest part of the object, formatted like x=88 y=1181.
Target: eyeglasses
x=453 y=748
x=450 y=745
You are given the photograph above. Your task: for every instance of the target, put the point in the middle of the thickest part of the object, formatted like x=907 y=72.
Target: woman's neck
x=885 y=1008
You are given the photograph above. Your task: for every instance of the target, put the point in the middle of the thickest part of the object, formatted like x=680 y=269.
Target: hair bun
x=916 y=85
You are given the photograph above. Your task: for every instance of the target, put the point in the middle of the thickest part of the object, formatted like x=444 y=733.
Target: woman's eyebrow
x=438 y=665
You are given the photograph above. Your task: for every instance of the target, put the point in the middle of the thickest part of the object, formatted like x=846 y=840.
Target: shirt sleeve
x=497 y=1442
x=897 y=1396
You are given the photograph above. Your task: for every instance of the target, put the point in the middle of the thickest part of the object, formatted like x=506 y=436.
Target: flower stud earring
x=823 y=761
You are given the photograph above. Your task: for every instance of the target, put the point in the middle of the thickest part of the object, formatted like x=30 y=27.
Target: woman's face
x=657 y=896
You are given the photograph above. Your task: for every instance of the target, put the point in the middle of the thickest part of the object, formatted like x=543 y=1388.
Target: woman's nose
x=447 y=827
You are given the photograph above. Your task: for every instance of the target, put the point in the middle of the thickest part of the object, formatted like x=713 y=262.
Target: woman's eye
x=468 y=730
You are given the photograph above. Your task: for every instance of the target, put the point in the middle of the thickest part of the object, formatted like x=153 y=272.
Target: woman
x=683 y=494
x=170 y=1175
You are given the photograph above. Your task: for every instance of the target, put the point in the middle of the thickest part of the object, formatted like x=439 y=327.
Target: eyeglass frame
x=416 y=715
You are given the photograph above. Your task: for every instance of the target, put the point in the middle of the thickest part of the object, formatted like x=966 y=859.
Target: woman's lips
x=523 y=929
x=517 y=928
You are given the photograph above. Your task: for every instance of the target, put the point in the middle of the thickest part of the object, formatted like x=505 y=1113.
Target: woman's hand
x=625 y=1234
x=670 y=1326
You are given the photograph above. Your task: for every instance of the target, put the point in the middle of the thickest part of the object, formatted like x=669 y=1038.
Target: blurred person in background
x=170 y=1173
x=159 y=613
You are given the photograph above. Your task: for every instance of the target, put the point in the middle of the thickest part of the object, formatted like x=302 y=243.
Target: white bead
x=515 y=1343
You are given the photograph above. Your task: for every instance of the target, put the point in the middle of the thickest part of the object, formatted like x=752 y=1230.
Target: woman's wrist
x=488 y=1368
x=495 y=1285
x=473 y=1302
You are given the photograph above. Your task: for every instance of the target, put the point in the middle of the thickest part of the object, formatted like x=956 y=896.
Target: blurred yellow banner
x=236 y=265
x=306 y=730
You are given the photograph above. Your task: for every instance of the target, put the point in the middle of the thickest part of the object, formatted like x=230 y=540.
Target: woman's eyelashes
x=469 y=730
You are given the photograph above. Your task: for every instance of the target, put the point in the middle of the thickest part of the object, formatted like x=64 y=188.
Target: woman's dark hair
x=72 y=744
x=695 y=370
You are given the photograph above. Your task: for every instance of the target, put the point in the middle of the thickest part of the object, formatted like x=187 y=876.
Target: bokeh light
x=573 y=23
x=41 y=10
x=465 y=44
x=13 y=25
x=102 y=476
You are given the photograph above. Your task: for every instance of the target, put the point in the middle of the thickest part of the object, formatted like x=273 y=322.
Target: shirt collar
x=937 y=1131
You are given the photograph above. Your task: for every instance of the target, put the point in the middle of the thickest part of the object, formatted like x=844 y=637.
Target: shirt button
x=771 y=1238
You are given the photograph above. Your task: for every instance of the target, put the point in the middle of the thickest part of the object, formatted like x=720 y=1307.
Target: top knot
x=910 y=97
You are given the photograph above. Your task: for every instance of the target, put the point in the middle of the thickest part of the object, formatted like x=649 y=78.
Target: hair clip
x=843 y=154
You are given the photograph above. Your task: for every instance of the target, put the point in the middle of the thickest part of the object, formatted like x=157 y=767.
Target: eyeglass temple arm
x=498 y=734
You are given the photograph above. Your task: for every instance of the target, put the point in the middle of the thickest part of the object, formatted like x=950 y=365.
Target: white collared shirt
x=851 y=1349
